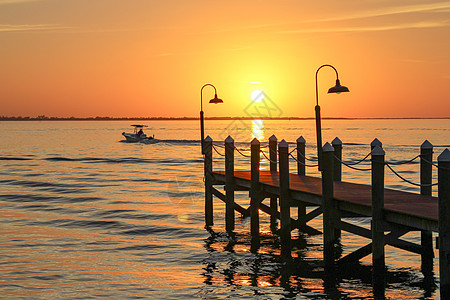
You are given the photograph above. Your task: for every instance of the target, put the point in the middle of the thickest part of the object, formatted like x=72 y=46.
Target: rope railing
x=347 y=164
x=434 y=164
x=404 y=162
x=218 y=145
x=239 y=151
x=264 y=154
x=354 y=163
x=306 y=165
x=301 y=154
x=215 y=149
x=351 y=166
x=406 y=180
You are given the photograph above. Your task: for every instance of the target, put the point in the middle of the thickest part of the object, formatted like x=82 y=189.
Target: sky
x=150 y=58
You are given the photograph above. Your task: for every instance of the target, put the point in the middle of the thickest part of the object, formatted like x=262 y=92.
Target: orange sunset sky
x=149 y=58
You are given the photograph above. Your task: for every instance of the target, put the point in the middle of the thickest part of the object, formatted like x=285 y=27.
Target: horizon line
x=45 y=118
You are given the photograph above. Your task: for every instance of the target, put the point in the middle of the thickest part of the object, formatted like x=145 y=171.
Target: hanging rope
x=306 y=165
x=403 y=162
x=218 y=145
x=434 y=164
x=245 y=155
x=408 y=181
x=214 y=147
x=264 y=154
x=351 y=166
x=301 y=154
x=354 y=163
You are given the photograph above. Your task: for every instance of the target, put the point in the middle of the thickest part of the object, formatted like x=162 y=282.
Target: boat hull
x=134 y=138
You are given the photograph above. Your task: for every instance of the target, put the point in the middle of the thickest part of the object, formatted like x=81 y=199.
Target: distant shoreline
x=206 y=118
x=44 y=118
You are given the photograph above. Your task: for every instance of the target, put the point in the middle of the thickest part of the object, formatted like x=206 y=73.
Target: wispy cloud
x=407 y=9
x=31 y=27
x=2 y=2
x=416 y=25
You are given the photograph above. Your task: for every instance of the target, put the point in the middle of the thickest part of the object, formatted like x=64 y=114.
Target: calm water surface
x=86 y=215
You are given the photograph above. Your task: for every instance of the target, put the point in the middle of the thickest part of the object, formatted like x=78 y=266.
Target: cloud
x=32 y=27
x=416 y=25
x=2 y=2
x=418 y=8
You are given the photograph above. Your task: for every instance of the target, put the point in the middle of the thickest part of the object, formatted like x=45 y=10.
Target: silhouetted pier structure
x=393 y=213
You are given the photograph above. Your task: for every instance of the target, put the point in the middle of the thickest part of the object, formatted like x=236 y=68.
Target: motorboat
x=138 y=135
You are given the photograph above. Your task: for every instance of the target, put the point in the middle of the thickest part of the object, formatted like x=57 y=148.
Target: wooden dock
x=393 y=213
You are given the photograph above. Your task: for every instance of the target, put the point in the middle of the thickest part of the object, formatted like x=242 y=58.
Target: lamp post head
x=216 y=100
x=338 y=88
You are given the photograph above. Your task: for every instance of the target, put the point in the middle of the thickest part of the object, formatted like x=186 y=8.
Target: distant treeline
x=45 y=118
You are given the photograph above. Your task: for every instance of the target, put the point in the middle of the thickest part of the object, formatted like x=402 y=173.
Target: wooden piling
x=273 y=153
x=328 y=207
x=273 y=168
x=378 y=255
x=229 y=184
x=301 y=170
x=444 y=222
x=301 y=154
x=337 y=166
x=255 y=148
x=285 y=215
x=207 y=146
x=337 y=174
x=426 y=173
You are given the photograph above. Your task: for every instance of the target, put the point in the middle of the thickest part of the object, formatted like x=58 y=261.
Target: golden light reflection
x=258 y=129
x=183 y=217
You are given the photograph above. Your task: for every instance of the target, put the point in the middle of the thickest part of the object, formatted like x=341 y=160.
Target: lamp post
x=338 y=88
x=215 y=100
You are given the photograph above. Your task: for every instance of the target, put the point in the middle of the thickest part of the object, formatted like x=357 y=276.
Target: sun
x=257 y=96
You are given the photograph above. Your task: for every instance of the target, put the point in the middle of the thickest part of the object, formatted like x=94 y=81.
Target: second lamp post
x=338 y=88
x=202 y=122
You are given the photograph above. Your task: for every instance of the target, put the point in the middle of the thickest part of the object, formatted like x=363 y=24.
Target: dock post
x=337 y=167
x=378 y=255
x=254 y=188
x=229 y=184
x=444 y=222
x=285 y=207
x=273 y=168
x=301 y=170
x=301 y=155
x=328 y=206
x=208 y=181
x=337 y=174
x=426 y=174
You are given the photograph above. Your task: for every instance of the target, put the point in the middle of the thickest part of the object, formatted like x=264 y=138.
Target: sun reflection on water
x=258 y=129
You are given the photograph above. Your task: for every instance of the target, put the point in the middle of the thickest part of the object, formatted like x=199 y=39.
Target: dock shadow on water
x=241 y=267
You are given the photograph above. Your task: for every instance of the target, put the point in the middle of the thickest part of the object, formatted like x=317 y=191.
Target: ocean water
x=86 y=215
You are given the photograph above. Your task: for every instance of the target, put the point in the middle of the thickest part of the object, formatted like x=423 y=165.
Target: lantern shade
x=338 y=88
x=216 y=100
